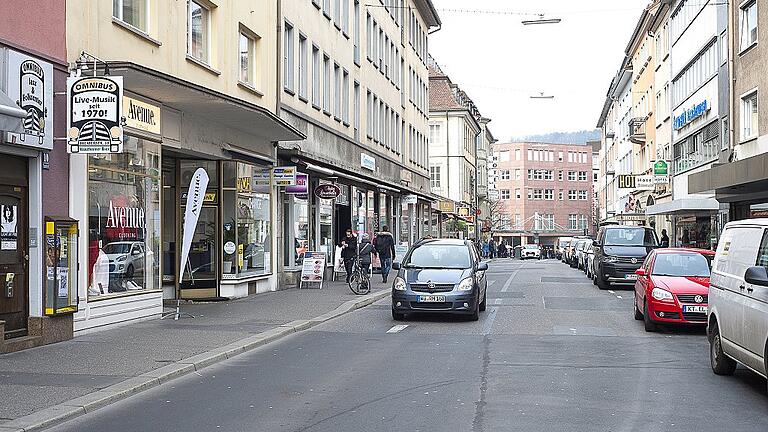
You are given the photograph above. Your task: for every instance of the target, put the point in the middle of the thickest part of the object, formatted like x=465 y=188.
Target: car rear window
x=681 y=264
x=630 y=237
x=439 y=256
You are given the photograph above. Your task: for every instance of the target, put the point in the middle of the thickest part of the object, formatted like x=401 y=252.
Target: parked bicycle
x=360 y=280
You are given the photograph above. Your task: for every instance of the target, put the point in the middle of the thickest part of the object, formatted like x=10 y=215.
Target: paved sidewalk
x=40 y=378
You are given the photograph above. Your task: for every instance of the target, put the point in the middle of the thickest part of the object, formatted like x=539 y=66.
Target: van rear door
x=756 y=313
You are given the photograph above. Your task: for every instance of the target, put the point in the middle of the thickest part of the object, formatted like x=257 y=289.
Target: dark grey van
x=619 y=251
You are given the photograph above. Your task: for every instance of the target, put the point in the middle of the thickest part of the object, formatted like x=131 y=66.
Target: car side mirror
x=595 y=244
x=395 y=266
x=641 y=272
x=483 y=266
x=757 y=275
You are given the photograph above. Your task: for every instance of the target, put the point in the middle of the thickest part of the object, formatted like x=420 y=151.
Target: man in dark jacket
x=348 y=251
x=365 y=250
x=385 y=247
x=664 y=239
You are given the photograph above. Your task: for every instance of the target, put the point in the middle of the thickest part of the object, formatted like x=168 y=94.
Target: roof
x=428 y=12
x=444 y=95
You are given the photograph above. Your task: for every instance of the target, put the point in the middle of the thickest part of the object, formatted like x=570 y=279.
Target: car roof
x=607 y=227
x=444 y=242
x=690 y=250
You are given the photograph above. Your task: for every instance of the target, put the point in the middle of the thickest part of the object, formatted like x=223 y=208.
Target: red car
x=673 y=287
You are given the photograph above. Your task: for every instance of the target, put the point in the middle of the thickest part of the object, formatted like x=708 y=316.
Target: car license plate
x=699 y=309
x=630 y=276
x=431 y=299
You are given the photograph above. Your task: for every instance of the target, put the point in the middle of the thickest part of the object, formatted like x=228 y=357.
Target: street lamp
x=541 y=95
x=542 y=20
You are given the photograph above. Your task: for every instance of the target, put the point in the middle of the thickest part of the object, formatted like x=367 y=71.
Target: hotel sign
x=141 y=115
x=691 y=114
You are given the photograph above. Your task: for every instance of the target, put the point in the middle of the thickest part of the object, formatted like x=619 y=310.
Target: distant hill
x=580 y=137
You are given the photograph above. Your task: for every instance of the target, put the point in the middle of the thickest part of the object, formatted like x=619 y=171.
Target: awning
x=206 y=103
x=742 y=180
x=683 y=206
x=11 y=116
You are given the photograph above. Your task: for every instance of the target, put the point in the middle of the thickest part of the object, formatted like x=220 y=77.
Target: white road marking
x=497 y=301
x=619 y=296
x=509 y=281
x=397 y=328
x=491 y=282
x=611 y=291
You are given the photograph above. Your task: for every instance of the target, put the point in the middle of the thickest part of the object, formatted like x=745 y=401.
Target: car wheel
x=475 y=316
x=594 y=279
x=638 y=314
x=721 y=363
x=648 y=323
x=129 y=271
x=602 y=284
x=484 y=303
x=397 y=316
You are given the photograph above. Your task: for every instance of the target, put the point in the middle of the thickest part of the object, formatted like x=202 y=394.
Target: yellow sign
x=240 y=256
x=463 y=211
x=141 y=115
x=209 y=197
x=447 y=206
x=627 y=181
x=244 y=184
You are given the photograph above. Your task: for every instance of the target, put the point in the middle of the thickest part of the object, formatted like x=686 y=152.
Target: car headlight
x=121 y=258
x=660 y=294
x=399 y=284
x=611 y=259
x=466 y=284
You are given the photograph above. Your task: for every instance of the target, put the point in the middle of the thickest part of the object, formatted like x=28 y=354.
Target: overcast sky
x=500 y=63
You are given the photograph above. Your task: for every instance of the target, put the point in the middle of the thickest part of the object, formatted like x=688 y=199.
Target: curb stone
x=57 y=414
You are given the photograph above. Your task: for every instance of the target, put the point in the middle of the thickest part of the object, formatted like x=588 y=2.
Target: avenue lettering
x=125 y=217
x=140 y=113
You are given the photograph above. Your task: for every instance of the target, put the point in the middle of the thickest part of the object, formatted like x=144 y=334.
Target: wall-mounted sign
x=367 y=161
x=284 y=176
x=661 y=168
x=301 y=186
x=141 y=115
x=30 y=85
x=327 y=191
x=691 y=114
x=94 y=114
x=447 y=206
x=463 y=212
x=635 y=182
x=409 y=199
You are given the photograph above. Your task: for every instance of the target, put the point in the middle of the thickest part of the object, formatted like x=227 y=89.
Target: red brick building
x=545 y=192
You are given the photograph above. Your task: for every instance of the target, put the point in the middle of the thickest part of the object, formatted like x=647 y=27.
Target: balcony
x=637 y=130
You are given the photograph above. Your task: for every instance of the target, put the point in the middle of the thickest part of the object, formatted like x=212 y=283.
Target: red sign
x=327 y=191
x=478 y=212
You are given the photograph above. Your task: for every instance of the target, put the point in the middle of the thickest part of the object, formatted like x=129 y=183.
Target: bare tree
x=498 y=215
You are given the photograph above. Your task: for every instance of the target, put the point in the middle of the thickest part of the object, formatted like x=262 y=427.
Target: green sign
x=661 y=168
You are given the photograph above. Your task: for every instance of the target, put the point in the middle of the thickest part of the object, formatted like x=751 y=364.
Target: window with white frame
x=356 y=97
x=518 y=195
x=303 y=72
x=530 y=155
x=504 y=174
x=288 y=71
x=548 y=222
x=316 y=74
x=749 y=116
x=504 y=194
x=560 y=195
x=583 y=222
x=132 y=12
x=582 y=195
x=345 y=97
x=336 y=91
x=198 y=31
x=549 y=194
x=518 y=174
x=247 y=48
x=538 y=194
x=356 y=31
x=573 y=222
x=571 y=175
x=548 y=174
x=582 y=176
x=517 y=154
x=326 y=84
x=434 y=134
x=748 y=25
x=504 y=156
x=434 y=176
x=573 y=195
x=560 y=175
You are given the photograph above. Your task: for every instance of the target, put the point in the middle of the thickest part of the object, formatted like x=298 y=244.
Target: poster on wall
x=30 y=85
x=94 y=114
x=8 y=227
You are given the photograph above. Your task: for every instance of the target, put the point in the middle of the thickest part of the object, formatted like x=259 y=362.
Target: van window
x=630 y=237
x=762 y=255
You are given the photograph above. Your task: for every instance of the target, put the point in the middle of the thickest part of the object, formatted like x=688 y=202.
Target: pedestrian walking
x=348 y=246
x=366 y=249
x=485 y=250
x=664 y=239
x=502 y=249
x=385 y=248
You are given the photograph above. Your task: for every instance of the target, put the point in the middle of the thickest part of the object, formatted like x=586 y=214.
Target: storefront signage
x=141 y=115
x=94 y=114
x=30 y=85
x=284 y=176
x=635 y=182
x=327 y=191
x=197 y=187
x=301 y=186
x=447 y=206
x=243 y=184
x=410 y=199
x=125 y=217
x=367 y=161
x=661 y=168
x=691 y=114
x=463 y=212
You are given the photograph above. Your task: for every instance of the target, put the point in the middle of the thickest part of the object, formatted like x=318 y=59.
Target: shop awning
x=205 y=103
x=11 y=116
x=742 y=180
x=683 y=206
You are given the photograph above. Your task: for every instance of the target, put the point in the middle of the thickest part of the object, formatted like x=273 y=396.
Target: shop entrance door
x=199 y=278
x=14 y=292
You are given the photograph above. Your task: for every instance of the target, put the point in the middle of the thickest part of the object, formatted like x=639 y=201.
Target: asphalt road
x=551 y=353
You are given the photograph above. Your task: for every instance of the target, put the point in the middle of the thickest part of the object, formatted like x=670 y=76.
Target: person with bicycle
x=365 y=250
x=348 y=252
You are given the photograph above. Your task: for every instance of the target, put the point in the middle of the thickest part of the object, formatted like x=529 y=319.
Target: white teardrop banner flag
x=195 y=197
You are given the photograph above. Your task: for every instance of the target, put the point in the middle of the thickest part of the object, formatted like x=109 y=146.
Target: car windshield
x=681 y=264
x=439 y=256
x=630 y=237
x=117 y=248
x=531 y=246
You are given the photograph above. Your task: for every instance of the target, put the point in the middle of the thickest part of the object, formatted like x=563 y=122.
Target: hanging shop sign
x=447 y=206
x=635 y=182
x=301 y=186
x=141 y=115
x=691 y=114
x=284 y=176
x=463 y=211
x=327 y=191
x=368 y=162
x=30 y=85
x=410 y=199
x=661 y=168
x=94 y=111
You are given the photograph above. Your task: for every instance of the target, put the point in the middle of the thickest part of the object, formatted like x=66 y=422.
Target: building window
x=345 y=97
x=356 y=113
x=538 y=194
x=530 y=155
x=517 y=154
x=505 y=175
x=345 y=16
x=573 y=222
x=316 y=88
x=326 y=84
x=582 y=195
x=356 y=31
x=573 y=195
x=504 y=156
x=288 y=70
x=749 y=116
x=748 y=25
x=303 y=72
x=247 y=55
x=560 y=175
x=517 y=194
x=594 y=177
x=198 y=31
x=518 y=173
x=132 y=12
x=434 y=134
x=571 y=175
x=434 y=177
x=504 y=194
x=582 y=176
x=559 y=156
x=560 y=195
x=548 y=174
x=549 y=194
x=583 y=222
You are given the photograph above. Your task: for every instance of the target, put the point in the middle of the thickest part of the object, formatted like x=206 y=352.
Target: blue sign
x=690 y=115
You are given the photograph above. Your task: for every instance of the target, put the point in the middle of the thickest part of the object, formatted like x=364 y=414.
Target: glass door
x=199 y=276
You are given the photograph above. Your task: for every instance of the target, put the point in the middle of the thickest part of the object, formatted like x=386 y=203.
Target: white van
x=738 y=299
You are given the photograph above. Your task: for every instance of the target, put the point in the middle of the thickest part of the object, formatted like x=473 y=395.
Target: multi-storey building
x=545 y=191
x=353 y=78
x=484 y=145
x=739 y=179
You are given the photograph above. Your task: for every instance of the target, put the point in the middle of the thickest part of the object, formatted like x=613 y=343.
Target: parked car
x=530 y=251
x=126 y=258
x=445 y=275
x=619 y=251
x=589 y=259
x=569 y=249
x=738 y=299
x=560 y=247
x=673 y=287
x=581 y=256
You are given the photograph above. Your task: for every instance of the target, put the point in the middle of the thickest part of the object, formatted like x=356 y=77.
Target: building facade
x=353 y=79
x=545 y=192
x=34 y=183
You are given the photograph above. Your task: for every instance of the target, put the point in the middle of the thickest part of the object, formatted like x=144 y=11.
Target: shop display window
x=124 y=220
